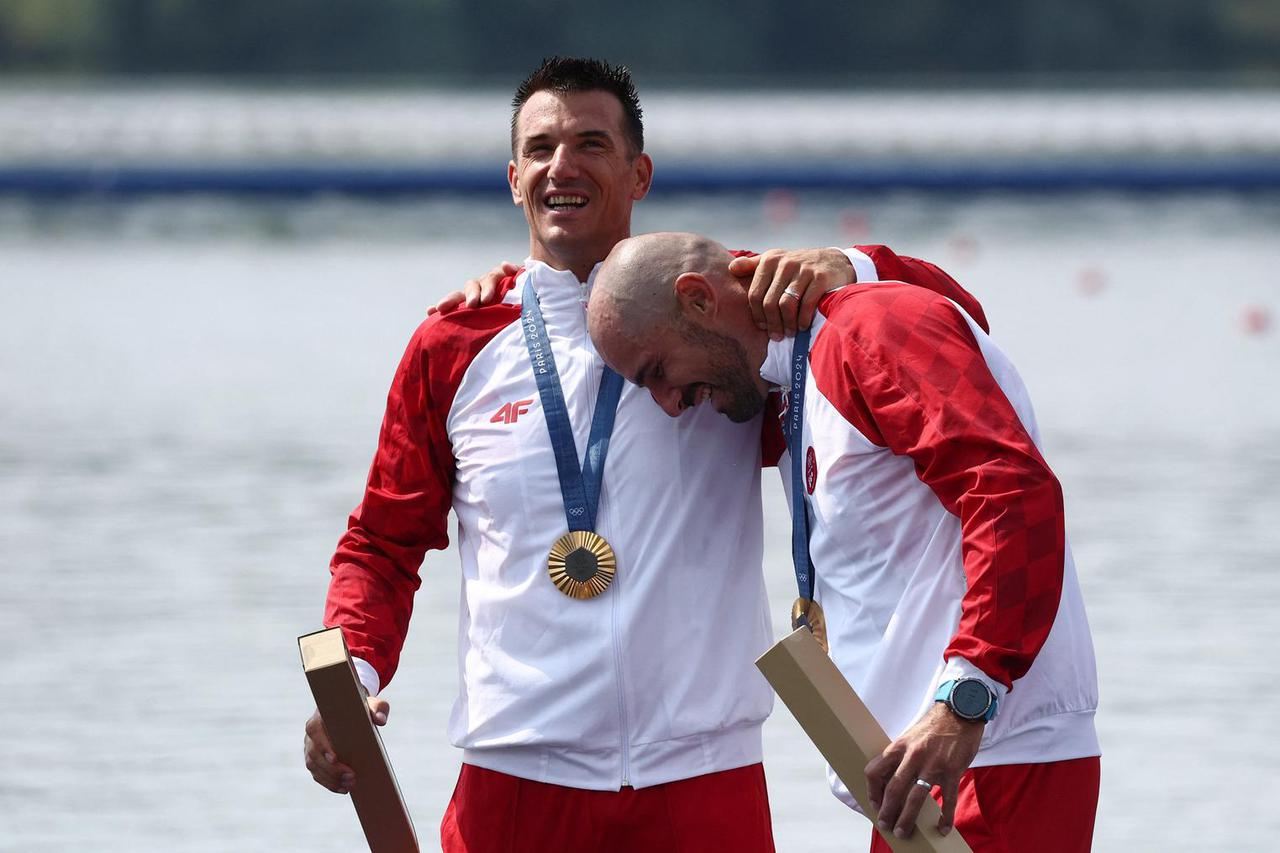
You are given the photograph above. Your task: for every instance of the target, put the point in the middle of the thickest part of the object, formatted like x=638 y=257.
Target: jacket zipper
x=614 y=589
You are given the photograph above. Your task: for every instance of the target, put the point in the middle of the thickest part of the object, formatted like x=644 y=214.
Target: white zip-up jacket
x=937 y=529
x=654 y=679
x=649 y=682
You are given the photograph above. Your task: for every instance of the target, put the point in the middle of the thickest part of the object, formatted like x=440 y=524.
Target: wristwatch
x=968 y=698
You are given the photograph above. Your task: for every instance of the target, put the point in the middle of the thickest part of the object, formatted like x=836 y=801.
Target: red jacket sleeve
x=891 y=266
x=904 y=368
x=404 y=513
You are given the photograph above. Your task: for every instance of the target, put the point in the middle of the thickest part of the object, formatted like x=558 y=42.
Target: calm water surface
x=189 y=397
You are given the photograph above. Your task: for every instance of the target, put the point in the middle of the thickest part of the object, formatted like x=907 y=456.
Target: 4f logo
x=511 y=412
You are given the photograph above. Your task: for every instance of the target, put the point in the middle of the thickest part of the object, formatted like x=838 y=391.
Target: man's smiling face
x=683 y=365
x=576 y=177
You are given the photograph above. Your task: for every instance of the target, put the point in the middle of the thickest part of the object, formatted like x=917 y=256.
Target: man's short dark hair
x=565 y=74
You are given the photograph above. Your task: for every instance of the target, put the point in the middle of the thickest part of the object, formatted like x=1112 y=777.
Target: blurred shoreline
x=139 y=140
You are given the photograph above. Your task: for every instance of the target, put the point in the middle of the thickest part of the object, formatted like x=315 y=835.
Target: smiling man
x=578 y=167
x=593 y=715
x=934 y=526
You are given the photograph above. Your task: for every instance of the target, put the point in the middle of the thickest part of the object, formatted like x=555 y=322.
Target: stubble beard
x=731 y=372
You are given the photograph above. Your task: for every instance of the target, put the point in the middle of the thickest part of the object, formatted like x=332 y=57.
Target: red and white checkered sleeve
x=890 y=266
x=404 y=512
x=914 y=380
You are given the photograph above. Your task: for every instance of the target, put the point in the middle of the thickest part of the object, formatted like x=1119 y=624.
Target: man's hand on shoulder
x=938 y=749
x=477 y=292
x=321 y=758
x=787 y=284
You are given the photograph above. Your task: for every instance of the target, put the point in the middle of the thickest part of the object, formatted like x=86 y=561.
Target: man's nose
x=668 y=399
x=563 y=163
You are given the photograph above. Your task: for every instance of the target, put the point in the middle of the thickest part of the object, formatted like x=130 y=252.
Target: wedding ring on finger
x=792 y=292
x=923 y=784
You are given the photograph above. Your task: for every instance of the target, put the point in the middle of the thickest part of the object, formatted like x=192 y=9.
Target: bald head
x=635 y=289
x=666 y=314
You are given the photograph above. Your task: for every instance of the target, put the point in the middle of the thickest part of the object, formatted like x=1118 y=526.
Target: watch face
x=970 y=699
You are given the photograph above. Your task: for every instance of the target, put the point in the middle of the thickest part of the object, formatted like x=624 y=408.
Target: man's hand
x=320 y=757
x=937 y=749
x=807 y=272
x=477 y=293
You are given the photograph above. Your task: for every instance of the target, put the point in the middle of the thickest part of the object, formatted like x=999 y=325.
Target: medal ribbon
x=793 y=428
x=579 y=486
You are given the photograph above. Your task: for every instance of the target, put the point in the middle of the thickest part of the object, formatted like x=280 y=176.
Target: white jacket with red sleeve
x=937 y=529
x=653 y=680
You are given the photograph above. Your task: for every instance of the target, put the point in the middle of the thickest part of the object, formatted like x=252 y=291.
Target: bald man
x=935 y=529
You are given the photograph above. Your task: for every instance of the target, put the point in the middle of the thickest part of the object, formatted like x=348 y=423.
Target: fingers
x=950 y=793
x=937 y=749
x=785 y=288
x=915 y=797
x=379 y=709
x=744 y=266
x=902 y=801
x=808 y=304
x=761 y=278
x=893 y=791
x=904 y=795
x=776 y=272
x=319 y=758
x=789 y=306
x=477 y=292
x=896 y=783
x=785 y=273
x=448 y=304
x=488 y=289
x=878 y=771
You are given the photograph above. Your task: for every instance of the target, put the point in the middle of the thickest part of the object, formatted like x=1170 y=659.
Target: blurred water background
x=206 y=282
x=191 y=392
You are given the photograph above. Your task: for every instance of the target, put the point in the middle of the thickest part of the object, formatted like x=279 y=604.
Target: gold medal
x=817 y=622
x=581 y=564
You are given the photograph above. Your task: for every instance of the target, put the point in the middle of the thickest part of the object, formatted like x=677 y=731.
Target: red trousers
x=492 y=812
x=1025 y=808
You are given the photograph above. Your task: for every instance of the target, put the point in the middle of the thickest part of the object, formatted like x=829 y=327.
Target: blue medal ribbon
x=579 y=486
x=793 y=429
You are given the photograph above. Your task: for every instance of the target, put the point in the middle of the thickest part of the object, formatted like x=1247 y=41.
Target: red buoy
x=855 y=225
x=780 y=207
x=1091 y=281
x=964 y=247
x=1256 y=320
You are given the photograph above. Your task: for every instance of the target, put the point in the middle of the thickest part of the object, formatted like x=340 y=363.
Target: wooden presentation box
x=845 y=732
x=342 y=703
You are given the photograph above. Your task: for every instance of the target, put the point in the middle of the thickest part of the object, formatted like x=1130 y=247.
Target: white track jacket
x=653 y=680
x=937 y=529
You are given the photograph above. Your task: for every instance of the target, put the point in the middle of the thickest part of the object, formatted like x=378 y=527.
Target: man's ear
x=696 y=296
x=513 y=180
x=644 y=177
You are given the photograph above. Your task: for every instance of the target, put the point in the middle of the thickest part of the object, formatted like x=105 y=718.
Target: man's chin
x=569 y=232
x=742 y=409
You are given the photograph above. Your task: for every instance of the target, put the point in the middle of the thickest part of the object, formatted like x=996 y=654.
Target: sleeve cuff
x=367 y=674
x=958 y=667
x=862 y=265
